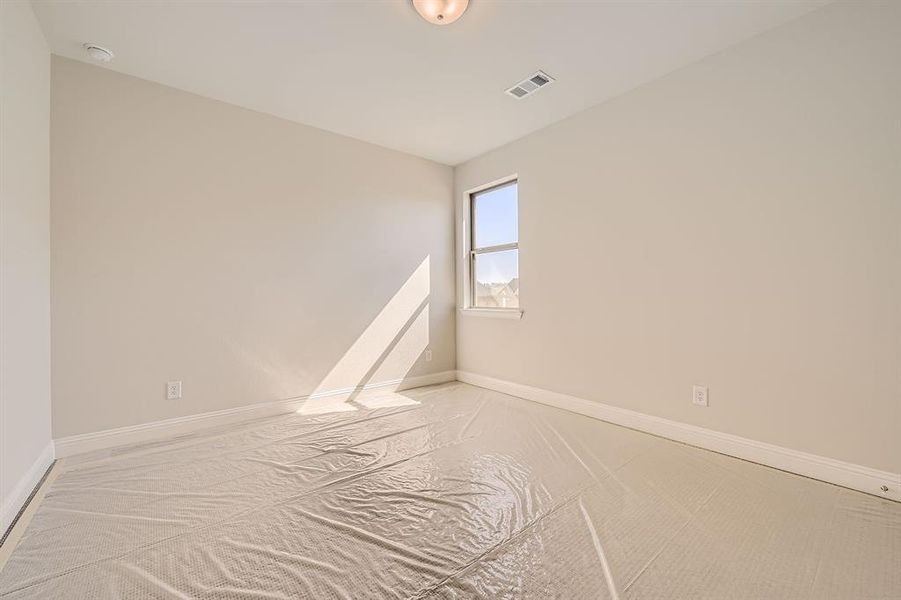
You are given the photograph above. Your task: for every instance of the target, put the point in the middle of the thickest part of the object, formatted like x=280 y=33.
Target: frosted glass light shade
x=440 y=12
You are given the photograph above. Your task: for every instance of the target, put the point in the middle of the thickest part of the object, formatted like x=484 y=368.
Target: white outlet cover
x=428 y=355
x=699 y=395
x=173 y=390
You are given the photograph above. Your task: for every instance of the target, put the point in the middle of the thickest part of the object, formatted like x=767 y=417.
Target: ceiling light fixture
x=99 y=53
x=440 y=12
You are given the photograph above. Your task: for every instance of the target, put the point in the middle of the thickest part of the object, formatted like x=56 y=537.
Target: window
x=494 y=247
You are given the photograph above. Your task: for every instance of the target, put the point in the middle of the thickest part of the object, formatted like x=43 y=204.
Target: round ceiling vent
x=99 y=53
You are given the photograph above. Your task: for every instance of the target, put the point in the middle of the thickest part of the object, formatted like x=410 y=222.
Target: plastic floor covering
x=446 y=492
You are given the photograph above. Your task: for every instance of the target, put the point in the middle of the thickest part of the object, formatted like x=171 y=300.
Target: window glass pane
x=495 y=216
x=497 y=279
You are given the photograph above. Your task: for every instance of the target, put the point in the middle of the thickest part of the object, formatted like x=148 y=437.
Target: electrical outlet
x=428 y=355
x=173 y=390
x=699 y=395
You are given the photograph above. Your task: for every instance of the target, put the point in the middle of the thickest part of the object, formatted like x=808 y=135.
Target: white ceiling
x=375 y=71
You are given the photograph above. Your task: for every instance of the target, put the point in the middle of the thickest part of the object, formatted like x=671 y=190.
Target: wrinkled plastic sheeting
x=446 y=492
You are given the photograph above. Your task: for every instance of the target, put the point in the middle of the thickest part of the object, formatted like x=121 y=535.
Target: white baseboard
x=841 y=473
x=19 y=494
x=110 y=438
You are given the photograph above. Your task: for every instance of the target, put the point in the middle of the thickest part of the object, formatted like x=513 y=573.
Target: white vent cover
x=530 y=85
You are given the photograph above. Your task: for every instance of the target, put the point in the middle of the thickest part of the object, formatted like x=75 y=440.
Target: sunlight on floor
x=386 y=400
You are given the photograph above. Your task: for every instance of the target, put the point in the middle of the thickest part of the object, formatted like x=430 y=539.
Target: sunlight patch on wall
x=385 y=351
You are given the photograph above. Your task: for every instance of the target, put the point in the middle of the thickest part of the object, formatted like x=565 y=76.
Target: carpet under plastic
x=446 y=492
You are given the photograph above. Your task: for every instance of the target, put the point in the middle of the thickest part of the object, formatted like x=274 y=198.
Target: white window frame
x=470 y=252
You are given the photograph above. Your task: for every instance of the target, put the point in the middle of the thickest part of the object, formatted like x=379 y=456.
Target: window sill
x=495 y=313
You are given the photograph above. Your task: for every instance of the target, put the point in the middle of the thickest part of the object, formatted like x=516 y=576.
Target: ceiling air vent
x=530 y=85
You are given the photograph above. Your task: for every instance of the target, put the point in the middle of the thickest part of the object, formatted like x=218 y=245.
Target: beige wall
x=735 y=224
x=252 y=258
x=24 y=252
